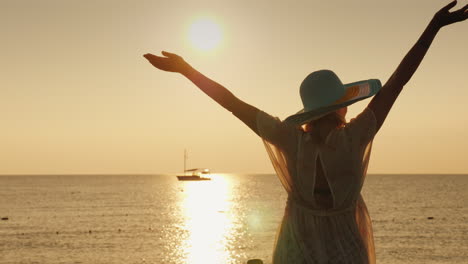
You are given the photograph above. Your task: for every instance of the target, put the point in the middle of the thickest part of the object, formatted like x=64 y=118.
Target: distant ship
x=197 y=174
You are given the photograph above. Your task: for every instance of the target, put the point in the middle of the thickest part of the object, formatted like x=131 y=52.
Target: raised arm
x=383 y=101
x=174 y=63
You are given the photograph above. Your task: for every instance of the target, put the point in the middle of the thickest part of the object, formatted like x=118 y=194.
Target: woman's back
x=326 y=220
x=322 y=192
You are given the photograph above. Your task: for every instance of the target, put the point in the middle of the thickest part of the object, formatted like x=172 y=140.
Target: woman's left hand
x=444 y=17
x=170 y=62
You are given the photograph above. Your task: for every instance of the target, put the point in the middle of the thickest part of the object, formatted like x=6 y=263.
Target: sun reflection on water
x=206 y=207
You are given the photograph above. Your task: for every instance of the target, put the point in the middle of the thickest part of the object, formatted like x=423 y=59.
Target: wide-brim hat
x=322 y=92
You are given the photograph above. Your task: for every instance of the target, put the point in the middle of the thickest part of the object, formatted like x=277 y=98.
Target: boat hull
x=192 y=178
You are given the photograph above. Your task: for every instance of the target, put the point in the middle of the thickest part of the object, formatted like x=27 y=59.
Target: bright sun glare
x=205 y=34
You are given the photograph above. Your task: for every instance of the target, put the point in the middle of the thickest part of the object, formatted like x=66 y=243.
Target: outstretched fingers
x=169 y=62
x=444 y=17
x=448 y=7
x=464 y=10
x=165 y=53
x=462 y=13
x=150 y=56
x=169 y=55
x=157 y=61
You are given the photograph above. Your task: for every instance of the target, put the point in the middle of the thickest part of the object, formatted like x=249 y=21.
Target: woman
x=320 y=159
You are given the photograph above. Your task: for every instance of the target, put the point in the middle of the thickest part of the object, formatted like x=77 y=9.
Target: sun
x=205 y=34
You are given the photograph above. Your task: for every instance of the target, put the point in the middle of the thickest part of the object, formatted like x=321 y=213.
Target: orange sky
x=78 y=97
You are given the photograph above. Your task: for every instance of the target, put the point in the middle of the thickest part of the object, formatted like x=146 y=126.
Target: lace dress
x=308 y=234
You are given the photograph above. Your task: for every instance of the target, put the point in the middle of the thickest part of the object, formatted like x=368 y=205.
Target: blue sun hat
x=322 y=92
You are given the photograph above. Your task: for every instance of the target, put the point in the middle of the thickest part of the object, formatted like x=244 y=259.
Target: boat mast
x=185 y=160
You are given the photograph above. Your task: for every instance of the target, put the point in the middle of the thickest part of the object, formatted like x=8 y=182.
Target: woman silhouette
x=320 y=159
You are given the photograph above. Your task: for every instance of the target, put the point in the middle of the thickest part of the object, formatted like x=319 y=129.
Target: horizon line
x=172 y=174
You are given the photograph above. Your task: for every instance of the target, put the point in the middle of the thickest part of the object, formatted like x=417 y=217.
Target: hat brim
x=354 y=92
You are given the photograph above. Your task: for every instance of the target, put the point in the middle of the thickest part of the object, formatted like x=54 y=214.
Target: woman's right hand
x=170 y=62
x=444 y=17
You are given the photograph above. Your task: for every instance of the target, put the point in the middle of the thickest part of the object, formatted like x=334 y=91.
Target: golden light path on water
x=205 y=205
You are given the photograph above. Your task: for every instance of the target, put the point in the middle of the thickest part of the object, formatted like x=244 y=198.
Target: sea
x=418 y=219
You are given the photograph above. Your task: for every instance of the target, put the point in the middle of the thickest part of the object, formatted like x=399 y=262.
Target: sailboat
x=197 y=174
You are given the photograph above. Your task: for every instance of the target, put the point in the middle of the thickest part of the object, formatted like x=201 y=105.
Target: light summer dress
x=307 y=234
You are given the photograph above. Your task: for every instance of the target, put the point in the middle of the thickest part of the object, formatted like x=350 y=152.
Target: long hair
x=320 y=128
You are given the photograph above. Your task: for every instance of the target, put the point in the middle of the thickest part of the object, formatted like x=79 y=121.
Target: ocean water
x=233 y=218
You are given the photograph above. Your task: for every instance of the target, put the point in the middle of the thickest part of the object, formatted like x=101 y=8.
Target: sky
x=77 y=97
